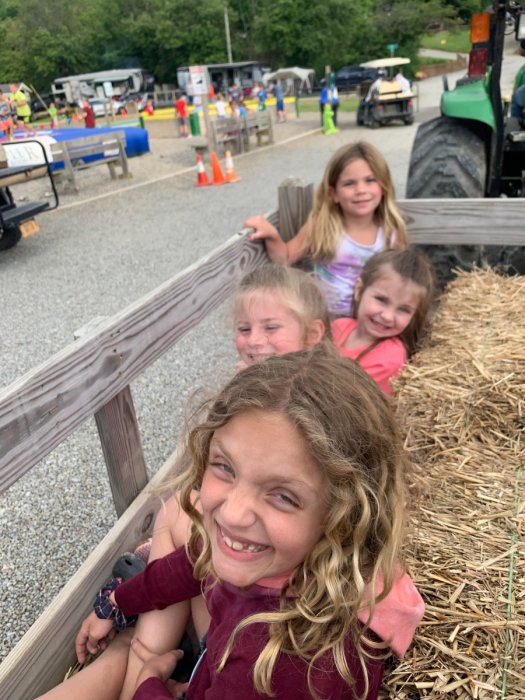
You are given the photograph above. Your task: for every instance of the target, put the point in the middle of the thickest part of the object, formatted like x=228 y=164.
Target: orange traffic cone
x=218 y=175
x=230 y=171
x=202 y=178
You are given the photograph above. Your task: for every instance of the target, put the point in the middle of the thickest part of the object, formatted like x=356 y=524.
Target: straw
x=461 y=402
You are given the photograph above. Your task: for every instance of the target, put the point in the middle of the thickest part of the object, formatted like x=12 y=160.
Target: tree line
x=41 y=41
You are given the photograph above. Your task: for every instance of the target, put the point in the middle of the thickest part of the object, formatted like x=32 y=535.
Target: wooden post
x=295 y=204
x=119 y=434
x=122 y=448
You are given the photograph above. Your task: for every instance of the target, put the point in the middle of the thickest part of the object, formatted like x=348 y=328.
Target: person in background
x=53 y=114
x=333 y=94
x=149 y=108
x=6 y=123
x=220 y=106
x=181 y=109
x=23 y=110
x=323 y=99
x=261 y=96
x=405 y=84
x=88 y=115
x=279 y=101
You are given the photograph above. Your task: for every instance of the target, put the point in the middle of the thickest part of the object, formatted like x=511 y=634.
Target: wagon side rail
x=92 y=377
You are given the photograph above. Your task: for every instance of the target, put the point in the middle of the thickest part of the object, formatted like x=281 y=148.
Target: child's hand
x=157 y=665
x=94 y=634
x=263 y=228
x=240 y=366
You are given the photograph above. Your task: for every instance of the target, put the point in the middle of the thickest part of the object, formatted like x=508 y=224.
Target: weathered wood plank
x=120 y=438
x=467 y=221
x=47 y=404
x=295 y=199
x=41 y=658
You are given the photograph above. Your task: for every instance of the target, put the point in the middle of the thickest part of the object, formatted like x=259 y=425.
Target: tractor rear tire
x=448 y=160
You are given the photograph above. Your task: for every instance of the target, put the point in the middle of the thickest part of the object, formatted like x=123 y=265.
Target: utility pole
x=227 y=29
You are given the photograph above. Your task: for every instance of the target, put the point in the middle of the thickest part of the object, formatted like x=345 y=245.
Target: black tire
x=409 y=120
x=10 y=237
x=359 y=116
x=448 y=160
x=373 y=122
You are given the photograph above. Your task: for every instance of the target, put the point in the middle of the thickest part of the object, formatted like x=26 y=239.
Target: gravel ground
x=101 y=250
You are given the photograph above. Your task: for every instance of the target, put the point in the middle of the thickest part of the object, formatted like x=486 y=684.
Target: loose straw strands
x=461 y=402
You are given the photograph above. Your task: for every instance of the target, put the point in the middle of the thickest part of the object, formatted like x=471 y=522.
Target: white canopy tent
x=293 y=80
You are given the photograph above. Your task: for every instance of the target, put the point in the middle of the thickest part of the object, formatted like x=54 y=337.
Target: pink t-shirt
x=382 y=362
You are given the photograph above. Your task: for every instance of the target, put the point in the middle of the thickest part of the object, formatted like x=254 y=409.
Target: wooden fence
x=92 y=376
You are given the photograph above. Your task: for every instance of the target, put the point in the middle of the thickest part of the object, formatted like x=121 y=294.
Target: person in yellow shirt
x=23 y=110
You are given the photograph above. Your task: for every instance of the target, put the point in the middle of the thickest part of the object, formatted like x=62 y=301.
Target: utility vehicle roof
x=386 y=62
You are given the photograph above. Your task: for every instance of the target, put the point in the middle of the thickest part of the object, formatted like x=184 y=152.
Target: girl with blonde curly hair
x=296 y=538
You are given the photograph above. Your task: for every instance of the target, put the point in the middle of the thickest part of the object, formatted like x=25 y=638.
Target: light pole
x=227 y=29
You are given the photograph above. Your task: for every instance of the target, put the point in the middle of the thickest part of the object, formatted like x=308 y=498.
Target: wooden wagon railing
x=92 y=376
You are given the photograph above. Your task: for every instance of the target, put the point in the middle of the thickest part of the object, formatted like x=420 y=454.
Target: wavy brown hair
x=352 y=435
x=326 y=220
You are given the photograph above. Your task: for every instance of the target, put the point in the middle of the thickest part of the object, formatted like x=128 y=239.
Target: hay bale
x=461 y=402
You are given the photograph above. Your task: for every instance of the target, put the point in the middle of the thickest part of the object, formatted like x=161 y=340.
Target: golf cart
x=387 y=98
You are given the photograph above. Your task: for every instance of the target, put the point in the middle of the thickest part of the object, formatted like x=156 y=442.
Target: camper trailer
x=224 y=75
x=123 y=84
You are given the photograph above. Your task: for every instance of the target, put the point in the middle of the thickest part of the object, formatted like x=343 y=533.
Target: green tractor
x=474 y=149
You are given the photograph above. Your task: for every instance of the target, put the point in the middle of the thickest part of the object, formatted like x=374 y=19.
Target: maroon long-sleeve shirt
x=170 y=580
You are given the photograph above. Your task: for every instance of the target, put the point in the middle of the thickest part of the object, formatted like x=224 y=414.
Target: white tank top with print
x=337 y=278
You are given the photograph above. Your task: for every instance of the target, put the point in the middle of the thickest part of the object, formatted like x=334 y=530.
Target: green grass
x=456 y=42
x=429 y=61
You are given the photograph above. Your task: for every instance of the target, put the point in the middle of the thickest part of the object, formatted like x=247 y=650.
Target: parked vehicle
x=19 y=163
x=351 y=77
x=473 y=149
x=118 y=83
x=386 y=99
x=102 y=106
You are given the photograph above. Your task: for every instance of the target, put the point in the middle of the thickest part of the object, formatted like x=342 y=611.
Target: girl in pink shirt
x=392 y=300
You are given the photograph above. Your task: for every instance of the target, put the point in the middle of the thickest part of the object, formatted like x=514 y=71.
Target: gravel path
x=100 y=251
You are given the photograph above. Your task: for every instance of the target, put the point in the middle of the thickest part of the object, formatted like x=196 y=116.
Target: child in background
x=296 y=512
x=181 y=110
x=53 y=115
x=392 y=299
x=220 y=106
x=6 y=123
x=354 y=216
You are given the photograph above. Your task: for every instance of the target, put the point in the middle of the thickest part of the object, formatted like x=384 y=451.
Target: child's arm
x=278 y=251
x=159 y=668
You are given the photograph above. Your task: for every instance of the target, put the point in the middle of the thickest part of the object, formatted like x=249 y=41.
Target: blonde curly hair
x=351 y=433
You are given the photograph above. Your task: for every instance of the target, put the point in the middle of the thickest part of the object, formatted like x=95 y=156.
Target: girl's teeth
x=240 y=547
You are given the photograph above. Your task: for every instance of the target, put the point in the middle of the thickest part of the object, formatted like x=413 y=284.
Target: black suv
x=349 y=77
